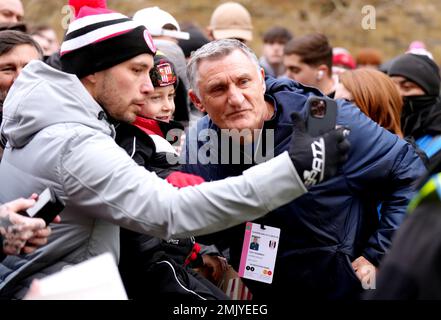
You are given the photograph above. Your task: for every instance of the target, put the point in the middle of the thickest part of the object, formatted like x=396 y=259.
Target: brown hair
x=9 y=39
x=376 y=96
x=313 y=49
x=277 y=34
x=369 y=56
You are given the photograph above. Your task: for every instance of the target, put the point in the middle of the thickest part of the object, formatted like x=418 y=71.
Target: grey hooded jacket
x=56 y=138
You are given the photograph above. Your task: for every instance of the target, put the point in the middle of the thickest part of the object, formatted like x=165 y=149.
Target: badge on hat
x=167 y=77
x=148 y=39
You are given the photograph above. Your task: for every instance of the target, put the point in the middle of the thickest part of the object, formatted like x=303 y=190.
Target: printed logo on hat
x=148 y=39
x=167 y=75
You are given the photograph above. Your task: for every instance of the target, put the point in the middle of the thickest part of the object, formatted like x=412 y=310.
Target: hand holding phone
x=318 y=148
x=322 y=115
x=47 y=207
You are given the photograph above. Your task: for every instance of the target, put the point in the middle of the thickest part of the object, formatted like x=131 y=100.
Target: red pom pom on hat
x=96 y=4
x=99 y=39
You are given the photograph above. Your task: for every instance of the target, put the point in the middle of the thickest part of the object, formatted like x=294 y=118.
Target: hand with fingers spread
x=317 y=158
x=21 y=234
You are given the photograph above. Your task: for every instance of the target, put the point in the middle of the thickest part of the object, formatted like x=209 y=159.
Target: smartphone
x=47 y=207
x=322 y=115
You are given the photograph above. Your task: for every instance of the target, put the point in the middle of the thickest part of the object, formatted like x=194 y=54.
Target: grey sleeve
x=102 y=181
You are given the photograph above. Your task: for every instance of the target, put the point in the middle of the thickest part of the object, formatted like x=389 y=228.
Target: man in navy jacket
x=332 y=237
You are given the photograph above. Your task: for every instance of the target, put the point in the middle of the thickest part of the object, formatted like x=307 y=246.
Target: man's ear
x=322 y=71
x=90 y=82
x=91 y=78
x=209 y=33
x=196 y=101
x=262 y=71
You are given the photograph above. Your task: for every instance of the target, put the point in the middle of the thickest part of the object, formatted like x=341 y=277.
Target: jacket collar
x=149 y=126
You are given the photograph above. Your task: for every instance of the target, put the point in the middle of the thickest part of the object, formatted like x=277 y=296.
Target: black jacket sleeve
x=411 y=269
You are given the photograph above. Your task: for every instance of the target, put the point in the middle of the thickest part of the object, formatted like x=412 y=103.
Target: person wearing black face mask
x=418 y=80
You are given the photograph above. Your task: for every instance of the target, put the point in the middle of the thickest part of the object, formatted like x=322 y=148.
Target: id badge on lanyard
x=259 y=252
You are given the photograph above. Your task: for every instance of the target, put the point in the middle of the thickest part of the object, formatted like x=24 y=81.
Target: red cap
x=342 y=58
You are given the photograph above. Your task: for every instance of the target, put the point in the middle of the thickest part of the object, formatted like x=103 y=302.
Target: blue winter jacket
x=336 y=221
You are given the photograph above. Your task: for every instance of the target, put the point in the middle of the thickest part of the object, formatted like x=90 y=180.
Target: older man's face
x=11 y=11
x=231 y=91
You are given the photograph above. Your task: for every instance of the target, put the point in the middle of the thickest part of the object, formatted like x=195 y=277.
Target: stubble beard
x=108 y=100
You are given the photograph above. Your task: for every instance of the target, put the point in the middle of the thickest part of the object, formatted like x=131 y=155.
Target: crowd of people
x=164 y=141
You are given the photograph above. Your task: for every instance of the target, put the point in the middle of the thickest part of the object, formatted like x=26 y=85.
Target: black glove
x=316 y=158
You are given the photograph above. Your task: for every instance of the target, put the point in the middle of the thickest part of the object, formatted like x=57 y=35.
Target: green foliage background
x=398 y=22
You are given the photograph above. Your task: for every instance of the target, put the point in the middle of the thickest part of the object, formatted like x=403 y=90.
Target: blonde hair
x=376 y=96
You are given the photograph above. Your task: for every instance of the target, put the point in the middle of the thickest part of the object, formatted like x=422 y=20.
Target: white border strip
x=96 y=18
x=96 y=35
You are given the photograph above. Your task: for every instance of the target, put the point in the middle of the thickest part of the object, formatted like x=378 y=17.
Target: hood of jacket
x=43 y=96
